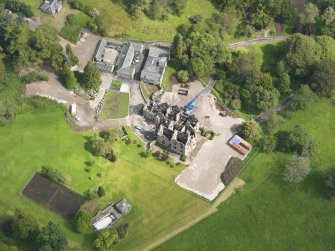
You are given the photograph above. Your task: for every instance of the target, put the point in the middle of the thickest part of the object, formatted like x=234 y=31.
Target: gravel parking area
x=202 y=176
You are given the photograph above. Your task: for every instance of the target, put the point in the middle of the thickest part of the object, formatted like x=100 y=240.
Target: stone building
x=174 y=130
x=51 y=6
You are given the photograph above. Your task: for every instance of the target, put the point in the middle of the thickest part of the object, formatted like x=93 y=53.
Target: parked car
x=77 y=118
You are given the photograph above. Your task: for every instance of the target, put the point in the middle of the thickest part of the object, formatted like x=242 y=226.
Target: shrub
x=72 y=59
x=122 y=231
x=83 y=222
x=183 y=158
x=183 y=76
x=157 y=154
x=111 y=157
x=134 y=141
x=23 y=225
x=90 y=195
x=268 y=143
x=105 y=240
x=330 y=183
x=101 y=191
x=234 y=165
x=53 y=174
x=90 y=162
x=34 y=76
x=164 y=157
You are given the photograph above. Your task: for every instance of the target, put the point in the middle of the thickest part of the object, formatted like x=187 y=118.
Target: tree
x=91 y=77
x=101 y=191
x=328 y=22
x=309 y=14
x=283 y=84
x=83 y=222
x=268 y=143
x=330 y=183
x=24 y=226
x=250 y=130
x=99 y=146
x=327 y=45
x=52 y=237
x=105 y=240
x=260 y=19
x=182 y=76
x=302 y=98
x=323 y=79
x=297 y=169
x=297 y=141
x=282 y=10
x=302 y=52
x=69 y=79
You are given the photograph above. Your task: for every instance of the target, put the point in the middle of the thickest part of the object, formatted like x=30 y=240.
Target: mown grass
x=116 y=105
x=116 y=85
x=148 y=90
x=267 y=214
x=42 y=137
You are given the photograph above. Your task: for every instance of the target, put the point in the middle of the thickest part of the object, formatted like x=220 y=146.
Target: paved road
x=258 y=41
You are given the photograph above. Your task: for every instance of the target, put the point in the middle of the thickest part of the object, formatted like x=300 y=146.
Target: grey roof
x=154 y=66
x=51 y=6
x=124 y=62
x=105 y=54
x=123 y=206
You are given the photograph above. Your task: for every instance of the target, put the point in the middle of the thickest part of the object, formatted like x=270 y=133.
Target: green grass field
x=148 y=90
x=119 y=22
x=72 y=30
x=116 y=106
x=116 y=85
x=42 y=137
x=267 y=214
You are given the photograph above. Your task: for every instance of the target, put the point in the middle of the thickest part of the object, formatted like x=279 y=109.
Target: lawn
x=267 y=214
x=42 y=137
x=119 y=22
x=115 y=106
x=148 y=90
x=116 y=85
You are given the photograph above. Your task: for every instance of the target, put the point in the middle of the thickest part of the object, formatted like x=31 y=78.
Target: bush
x=164 y=157
x=146 y=154
x=53 y=174
x=183 y=158
x=101 y=191
x=23 y=225
x=90 y=195
x=34 y=76
x=111 y=157
x=183 y=76
x=106 y=239
x=268 y=144
x=19 y=7
x=122 y=231
x=157 y=154
x=234 y=165
x=90 y=162
x=330 y=183
x=72 y=59
x=83 y=222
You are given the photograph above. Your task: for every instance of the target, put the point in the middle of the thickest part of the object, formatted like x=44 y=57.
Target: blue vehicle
x=189 y=106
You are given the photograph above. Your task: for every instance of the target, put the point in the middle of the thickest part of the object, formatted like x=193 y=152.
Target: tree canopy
x=24 y=226
x=51 y=237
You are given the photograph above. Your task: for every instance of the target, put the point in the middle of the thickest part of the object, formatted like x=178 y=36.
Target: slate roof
x=51 y=6
x=154 y=66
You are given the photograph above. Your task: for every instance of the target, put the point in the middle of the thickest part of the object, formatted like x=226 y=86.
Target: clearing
x=274 y=214
x=116 y=105
x=146 y=183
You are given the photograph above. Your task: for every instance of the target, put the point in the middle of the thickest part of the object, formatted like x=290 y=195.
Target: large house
x=174 y=130
x=51 y=6
x=154 y=67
